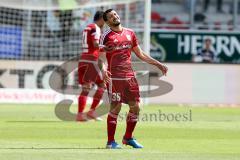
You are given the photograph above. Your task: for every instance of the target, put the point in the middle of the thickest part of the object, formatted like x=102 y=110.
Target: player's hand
x=106 y=76
x=163 y=68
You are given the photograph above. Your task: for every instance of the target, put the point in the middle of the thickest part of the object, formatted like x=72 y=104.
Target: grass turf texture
x=33 y=132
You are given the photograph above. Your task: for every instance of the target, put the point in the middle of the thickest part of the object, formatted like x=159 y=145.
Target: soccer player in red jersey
x=88 y=68
x=118 y=43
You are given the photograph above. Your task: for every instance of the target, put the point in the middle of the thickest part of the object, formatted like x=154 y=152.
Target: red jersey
x=120 y=45
x=91 y=33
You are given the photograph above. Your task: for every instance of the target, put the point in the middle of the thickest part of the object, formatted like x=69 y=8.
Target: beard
x=116 y=24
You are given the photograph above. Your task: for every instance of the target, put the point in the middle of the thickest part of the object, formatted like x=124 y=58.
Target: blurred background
x=198 y=39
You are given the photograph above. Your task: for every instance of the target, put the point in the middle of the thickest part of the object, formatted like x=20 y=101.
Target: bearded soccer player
x=118 y=43
x=88 y=69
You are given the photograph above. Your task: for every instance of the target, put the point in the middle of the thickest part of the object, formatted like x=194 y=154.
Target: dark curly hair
x=105 y=14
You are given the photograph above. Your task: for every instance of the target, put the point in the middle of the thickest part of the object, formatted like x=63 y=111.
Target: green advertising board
x=181 y=46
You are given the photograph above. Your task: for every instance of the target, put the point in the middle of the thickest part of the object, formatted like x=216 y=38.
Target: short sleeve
x=134 y=40
x=95 y=33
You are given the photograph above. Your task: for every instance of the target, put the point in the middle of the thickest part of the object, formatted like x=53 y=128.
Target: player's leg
x=132 y=97
x=82 y=100
x=115 y=89
x=97 y=96
x=112 y=124
x=131 y=121
x=98 y=80
x=96 y=100
x=85 y=79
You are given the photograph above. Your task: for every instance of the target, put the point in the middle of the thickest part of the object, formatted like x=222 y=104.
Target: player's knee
x=84 y=92
x=102 y=85
x=135 y=109
x=85 y=89
x=115 y=108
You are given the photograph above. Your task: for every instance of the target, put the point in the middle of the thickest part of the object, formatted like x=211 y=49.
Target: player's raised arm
x=148 y=59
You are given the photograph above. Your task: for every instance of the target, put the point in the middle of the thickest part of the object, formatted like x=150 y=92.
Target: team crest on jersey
x=128 y=37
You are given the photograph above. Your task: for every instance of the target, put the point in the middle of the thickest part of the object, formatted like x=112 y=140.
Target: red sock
x=111 y=125
x=131 y=123
x=82 y=100
x=96 y=98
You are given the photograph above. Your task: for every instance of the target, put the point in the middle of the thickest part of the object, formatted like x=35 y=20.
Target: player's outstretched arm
x=148 y=59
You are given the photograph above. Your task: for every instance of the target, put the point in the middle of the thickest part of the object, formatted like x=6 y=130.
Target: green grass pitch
x=32 y=132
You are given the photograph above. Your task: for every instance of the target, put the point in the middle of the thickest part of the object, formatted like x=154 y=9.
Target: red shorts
x=124 y=90
x=89 y=73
